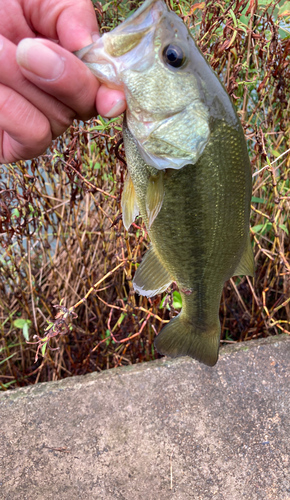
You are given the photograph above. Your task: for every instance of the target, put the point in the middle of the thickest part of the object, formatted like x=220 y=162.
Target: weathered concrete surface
x=220 y=433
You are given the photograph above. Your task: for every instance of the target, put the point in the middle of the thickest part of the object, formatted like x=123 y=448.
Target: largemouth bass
x=189 y=173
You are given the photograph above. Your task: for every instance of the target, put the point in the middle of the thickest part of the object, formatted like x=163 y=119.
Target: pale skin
x=43 y=86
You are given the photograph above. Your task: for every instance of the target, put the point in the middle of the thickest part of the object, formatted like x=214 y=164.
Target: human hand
x=43 y=86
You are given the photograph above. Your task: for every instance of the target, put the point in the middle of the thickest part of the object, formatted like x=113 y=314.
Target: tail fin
x=181 y=338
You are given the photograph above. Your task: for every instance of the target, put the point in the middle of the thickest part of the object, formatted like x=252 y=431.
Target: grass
x=63 y=237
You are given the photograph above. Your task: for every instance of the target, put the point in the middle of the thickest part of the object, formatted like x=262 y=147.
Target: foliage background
x=61 y=229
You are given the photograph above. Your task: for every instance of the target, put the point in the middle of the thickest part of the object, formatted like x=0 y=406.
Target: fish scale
x=203 y=208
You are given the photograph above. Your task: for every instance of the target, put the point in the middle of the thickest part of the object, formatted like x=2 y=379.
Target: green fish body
x=189 y=174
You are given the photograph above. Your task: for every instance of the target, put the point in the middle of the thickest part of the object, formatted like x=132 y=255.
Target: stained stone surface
x=165 y=430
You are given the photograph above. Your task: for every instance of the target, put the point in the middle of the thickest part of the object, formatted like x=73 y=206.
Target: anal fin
x=151 y=276
x=129 y=205
x=246 y=264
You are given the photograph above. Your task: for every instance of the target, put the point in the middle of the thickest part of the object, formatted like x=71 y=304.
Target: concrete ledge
x=165 y=430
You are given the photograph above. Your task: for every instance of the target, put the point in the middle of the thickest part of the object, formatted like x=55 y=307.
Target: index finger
x=72 y=22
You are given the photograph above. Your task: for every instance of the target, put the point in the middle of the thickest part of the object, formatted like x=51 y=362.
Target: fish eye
x=174 y=56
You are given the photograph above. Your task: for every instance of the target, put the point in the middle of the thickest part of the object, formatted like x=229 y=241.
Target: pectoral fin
x=246 y=264
x=154 y=196
x=129 y=205
x=151 y=276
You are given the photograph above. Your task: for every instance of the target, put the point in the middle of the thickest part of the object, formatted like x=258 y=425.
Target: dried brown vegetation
x=63 y=238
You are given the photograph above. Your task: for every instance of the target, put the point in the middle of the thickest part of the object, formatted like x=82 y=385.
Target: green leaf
x=177 y=301
x=108 y=337
x=3 y=361
x=43 y=349
x=11 y=382
x=97 y=127
x=257 y=228
x=282 y=226
x=162 y=302
x=275 y=153
x=15 y=212
x=19 y=323
x=258 y=200
x=25 y=332
x=262 y=228
x=50 y=324
x=101 y=119
x=106 y=6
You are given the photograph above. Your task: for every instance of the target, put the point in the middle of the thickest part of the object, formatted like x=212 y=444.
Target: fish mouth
x=126 y=46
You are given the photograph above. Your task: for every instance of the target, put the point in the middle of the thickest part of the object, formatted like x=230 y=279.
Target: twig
x=31 y=287
x=72 y=308
x=92 y=186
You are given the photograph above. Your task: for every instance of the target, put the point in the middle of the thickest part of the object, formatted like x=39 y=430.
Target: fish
x=189 y=173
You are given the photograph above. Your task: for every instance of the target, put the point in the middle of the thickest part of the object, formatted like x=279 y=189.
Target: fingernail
x=117 y=109
x=37 y=58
